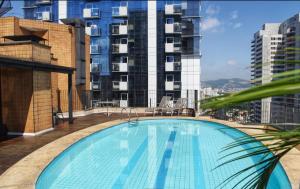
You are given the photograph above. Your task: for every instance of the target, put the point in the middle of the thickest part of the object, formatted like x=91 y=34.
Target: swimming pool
x=164 y=153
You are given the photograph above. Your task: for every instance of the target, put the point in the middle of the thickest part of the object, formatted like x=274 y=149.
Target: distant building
x=37 y=75
x=273 y=50
x=140 y=50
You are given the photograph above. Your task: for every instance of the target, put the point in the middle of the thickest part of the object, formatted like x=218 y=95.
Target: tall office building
x=273 y=51
x=140 y=50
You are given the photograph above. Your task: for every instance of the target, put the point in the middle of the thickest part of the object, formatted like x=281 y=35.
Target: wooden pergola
x=39 y=66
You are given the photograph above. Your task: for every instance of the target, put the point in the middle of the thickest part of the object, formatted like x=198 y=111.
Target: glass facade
x=119 y=48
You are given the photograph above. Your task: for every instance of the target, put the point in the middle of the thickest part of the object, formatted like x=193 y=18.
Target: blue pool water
x=151 y=154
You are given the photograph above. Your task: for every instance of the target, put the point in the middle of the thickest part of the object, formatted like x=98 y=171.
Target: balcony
x=172 y=85
x=44 y=16
x=91 y=13
x=96 y=86
x=174 y=9
x=95 y=49
x=120 y=85
x=173 y=28
x=119 y=48
x=121 y=11
x=93 y=31
x=173 y=47
x=119 y=67
x=172 y=66
x=119 y=30
x=95 y=68
x=42 y=2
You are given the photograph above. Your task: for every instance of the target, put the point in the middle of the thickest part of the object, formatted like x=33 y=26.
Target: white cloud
x=237 y=25
x=231 y=62
x=210 y=24
x=212 y=10
x=234 y=15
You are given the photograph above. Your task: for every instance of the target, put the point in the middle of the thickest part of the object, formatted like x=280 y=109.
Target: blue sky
x=228 y=27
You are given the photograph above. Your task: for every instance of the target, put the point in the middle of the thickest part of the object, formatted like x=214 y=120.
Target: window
x=170 y=20
x=124 y=59
x=170 y=59
x=170 y=39
x=124 y=96
x=170 y=77
x=124 y=41
x=123 y=78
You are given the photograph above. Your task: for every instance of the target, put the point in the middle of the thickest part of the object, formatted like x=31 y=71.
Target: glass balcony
x=121 y=11
x=45 y=16
x=91 y=13
x=173 y=28
x=120 y=85
x=174 y=9
x=119 y=30
x=93 y=31
x=173 y=85
x=173 y=47
x=119 y=48
x=95 y=49
x=172 y=66
x=95 y=68
x=119 y=67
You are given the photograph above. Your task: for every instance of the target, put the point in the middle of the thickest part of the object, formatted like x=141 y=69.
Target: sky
x=228 y=28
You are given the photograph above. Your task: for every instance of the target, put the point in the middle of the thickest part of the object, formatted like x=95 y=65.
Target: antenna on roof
x=5 y=6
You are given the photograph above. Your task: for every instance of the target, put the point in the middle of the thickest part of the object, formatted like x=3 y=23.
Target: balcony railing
x=95 y=49
x=119 y=30
x=172 y=66
x=173 y=28
x=91 y=13
x=95 y=68
x=119 y=67
x=120 y=85
x=121 y=11
x=173 y=47
x=174 y=9
x=119 y=48
x=172 y=85
x=93 y=31
x=45 y=16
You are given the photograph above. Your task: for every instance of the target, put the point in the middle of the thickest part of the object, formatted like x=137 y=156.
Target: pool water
x=152 y=154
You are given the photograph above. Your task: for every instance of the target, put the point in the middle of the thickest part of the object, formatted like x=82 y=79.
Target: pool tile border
x=24 y=173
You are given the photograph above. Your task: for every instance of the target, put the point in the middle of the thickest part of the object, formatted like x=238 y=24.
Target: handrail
x=129 y=114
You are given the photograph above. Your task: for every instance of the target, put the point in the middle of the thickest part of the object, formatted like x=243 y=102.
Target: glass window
x=124 y=96
x=170 y=20
x=124 y=41
x=123 y=78
x=170 y=58
x=170 y=39
x=170 y=78
x=124 y=59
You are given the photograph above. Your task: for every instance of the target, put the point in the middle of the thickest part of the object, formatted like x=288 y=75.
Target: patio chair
x=178 y=107
x=164 y=104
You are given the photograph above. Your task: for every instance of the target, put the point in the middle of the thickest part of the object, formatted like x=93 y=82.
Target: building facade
x=140 y=50
x=274 y=51
x=37 y=76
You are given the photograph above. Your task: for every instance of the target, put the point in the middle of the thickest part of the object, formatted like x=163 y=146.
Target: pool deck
x=24 y=173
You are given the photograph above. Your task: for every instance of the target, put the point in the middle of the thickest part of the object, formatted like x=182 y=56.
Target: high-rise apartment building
x=274 y=51
x=140 y=50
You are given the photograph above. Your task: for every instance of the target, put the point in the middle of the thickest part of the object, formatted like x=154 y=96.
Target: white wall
x=152 y=54
x=62 y=10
